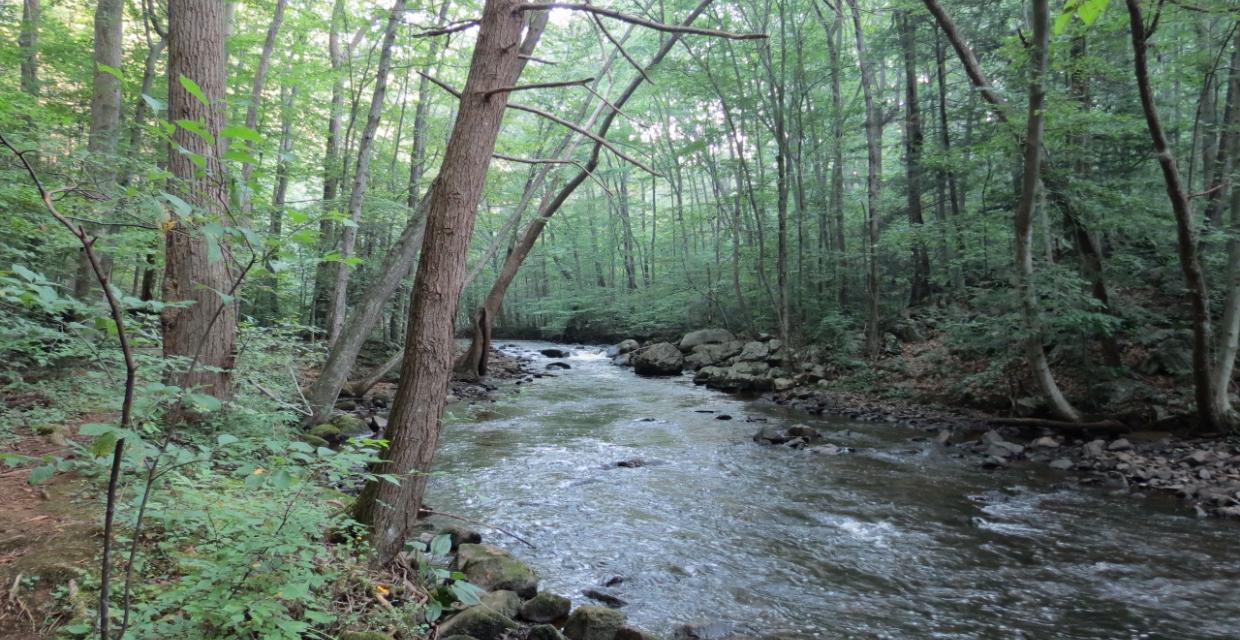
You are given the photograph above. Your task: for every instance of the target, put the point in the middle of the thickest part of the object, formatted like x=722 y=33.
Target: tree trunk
x=28 y=44
x=196 y=266
x=396 y=266
x=321 y=299
x=874 y=168
x=269 y=295
x=361 y=173
x=512 y=264
x=105 y=119
x=256 y=94
x=1181 y=206
x=919 y=289
x=1030 y=181
x=414 y=424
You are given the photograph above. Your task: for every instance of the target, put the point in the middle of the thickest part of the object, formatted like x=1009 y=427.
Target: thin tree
x=873 y=183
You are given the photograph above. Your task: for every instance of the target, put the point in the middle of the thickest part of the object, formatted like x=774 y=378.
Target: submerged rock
x=558 y=365
x=622 y=348
x=659 y=360
x=493 y=568
x=605 y=596
x=555 y=353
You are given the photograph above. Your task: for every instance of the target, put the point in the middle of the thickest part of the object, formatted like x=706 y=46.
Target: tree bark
x=414 y=424
x=874 y=168
x=361 y=173
x=321 y=299
x=1190 y=261
x=919 y=288
x=205 y=330
x=28 y=44
x=256 y=93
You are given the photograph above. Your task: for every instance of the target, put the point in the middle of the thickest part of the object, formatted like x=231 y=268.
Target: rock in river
x=479 y=621
x=593 y=623
x=545 y=607
x=662 y=359
x=493 y=568
x=555 y=353
x=622 y=348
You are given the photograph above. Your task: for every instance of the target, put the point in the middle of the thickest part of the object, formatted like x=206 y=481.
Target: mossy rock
x=544 y=632
x=481 y=622
x=493 y=568
x=545 y=607
x=365 y=635
x=314 y=440
x=593 y=623
x=503 y=601
x=629 y=632
x=325 y=431
x=57 y=434
x=349 y=423
x=460 y=636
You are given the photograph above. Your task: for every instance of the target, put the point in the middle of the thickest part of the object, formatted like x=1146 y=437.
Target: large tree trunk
x=203 y=331
x=474 y=363
x=1181 y=206
x=105 y=118
x=28 y=44
x=413 y=428
x=1030 y=181
x=874 y=168
x=361 y=173
x=1229 y=333
x=396 y=266
x=919 y=288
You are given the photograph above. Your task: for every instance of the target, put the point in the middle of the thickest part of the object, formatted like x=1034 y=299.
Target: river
x=899 y=539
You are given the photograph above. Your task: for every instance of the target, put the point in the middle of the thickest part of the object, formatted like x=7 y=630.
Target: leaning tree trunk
x=396 y=266
x=1030 y=180
x=413 y=428
x=1181 y=206
x=205 y=329
x=474 y=363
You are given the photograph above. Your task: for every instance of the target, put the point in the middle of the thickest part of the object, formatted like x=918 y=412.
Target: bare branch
x=447 y=29
x=441 y=85
x=624 y=17
x=598 y=21
x=585 y=132
x=539 y=85
x=500 y=156
x=522 y=56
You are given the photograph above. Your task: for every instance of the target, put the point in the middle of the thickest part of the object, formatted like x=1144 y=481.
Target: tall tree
x=913 y=140
x=28 y=43
x=873 y=182
x=200 y=321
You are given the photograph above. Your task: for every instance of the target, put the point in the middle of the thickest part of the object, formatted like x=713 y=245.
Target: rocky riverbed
x=1205 y=472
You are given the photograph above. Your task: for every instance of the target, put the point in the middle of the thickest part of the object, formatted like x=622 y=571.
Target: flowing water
x=897 y=540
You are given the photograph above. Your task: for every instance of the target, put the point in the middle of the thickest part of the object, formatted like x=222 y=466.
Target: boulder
x=702 y=631
x=629 y=632
x=480 y=622
x=558 y=365
x=544 y=632
x=555 y=353
x=365 y=635
x=707 y=355
x=623 y=360
x=796 y=435
x=622 y=348
x=662 y=359
x=545 y=607
x=705 y=336
x=349 y=423
x=493 y=568
x=461 y=535
x=593 y=623
x=326 y=431
x=503 y=601
x=754 y=352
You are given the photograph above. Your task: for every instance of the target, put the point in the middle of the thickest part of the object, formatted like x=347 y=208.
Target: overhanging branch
x=631 y=19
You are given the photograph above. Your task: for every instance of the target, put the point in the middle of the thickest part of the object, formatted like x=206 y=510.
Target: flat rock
x=589 y=622
x=545 y=607
x=493 y=568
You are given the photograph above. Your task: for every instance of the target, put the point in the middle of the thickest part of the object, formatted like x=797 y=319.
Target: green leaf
x=40 y=475
x=1091 y=9
x=104 y=444
x=466 y=593
x=226 y=439
x=197 y=128
x=433 y=610
x=441 y=545
x=192 y=87
x=240 y=132
x=112 y=71
x=205 y=402
x=155 y=104
x=27 y=274
x=96 y=429
x=282 y=479
x=181 y=207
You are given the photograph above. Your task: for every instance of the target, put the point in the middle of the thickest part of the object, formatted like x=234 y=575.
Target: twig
x=522 y=56
x=428 y=512
x=443 y=31
x=619 y=47
x=624 y=17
